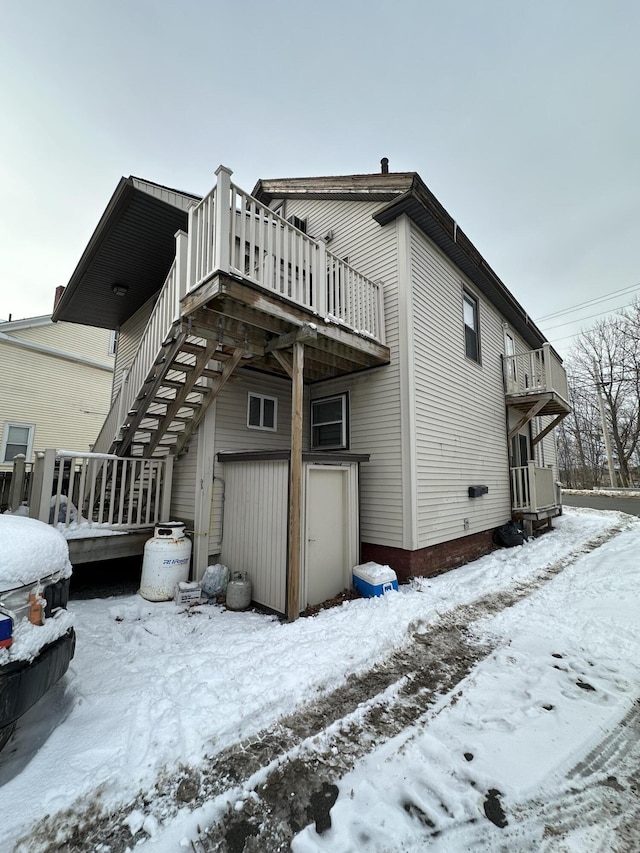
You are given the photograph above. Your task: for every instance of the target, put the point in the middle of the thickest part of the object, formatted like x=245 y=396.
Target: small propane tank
x=166 y=561
x=239 y=592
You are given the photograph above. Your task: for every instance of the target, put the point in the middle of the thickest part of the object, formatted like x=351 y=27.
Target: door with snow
x=329 y=532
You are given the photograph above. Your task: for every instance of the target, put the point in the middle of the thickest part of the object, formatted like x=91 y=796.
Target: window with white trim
x=471 y=326
x=113 y=342
x=330 y=423
x=17 y=439
x=262 y=412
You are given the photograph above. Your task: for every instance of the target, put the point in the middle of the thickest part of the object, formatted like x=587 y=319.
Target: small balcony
x=536 y=379
x=534 y=492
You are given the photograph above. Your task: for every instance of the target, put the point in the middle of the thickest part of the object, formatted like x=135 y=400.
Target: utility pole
x=605 y=431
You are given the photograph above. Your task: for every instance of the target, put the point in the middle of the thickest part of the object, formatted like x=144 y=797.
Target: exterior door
x=328 y=533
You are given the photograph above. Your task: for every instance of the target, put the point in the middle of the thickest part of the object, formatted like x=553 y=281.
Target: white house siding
x=375 y=408
x=66 y=401
x=460 y=409
x=129 y=338
x=183 y=487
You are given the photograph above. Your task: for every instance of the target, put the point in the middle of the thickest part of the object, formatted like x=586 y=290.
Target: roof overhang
x=420 y=205
x=132 y=247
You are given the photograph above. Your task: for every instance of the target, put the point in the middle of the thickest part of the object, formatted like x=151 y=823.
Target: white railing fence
x=532 y=488
x=535 y=371
x=100 y=490
x=230 y=231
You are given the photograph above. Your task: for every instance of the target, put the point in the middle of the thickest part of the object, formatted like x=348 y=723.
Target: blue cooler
x=373 y=579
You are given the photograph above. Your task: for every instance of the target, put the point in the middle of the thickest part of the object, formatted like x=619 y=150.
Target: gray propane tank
x=239 y=592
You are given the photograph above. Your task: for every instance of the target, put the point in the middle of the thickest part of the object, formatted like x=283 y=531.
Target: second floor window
x=471 y=328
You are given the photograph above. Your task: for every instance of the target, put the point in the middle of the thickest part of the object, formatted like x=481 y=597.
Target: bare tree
x=607 y=357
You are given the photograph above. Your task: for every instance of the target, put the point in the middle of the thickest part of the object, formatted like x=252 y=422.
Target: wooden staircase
x=175 y=395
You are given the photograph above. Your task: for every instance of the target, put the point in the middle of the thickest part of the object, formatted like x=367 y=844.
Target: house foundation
x=431 y=561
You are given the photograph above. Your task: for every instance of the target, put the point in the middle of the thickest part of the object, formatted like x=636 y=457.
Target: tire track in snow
x=270 y=785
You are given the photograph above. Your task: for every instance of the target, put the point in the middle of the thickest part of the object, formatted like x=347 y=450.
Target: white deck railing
x=533 y=372
x=230 y=231
x=165 y=313
x=100 y=490
x=532 y=488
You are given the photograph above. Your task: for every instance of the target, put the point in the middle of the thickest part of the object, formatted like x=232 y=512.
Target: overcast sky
x=522 y=118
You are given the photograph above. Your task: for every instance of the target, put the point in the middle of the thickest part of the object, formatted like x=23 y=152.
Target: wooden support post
x=295 y=484
x=182 y=249
x=167 y=482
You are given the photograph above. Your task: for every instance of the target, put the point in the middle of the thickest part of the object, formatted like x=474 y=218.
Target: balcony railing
x=532 y=489
x=96 y=490
x=232 y=232
x=534 y=372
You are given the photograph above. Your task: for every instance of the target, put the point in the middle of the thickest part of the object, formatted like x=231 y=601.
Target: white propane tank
x=165 y=562
x=238 y=592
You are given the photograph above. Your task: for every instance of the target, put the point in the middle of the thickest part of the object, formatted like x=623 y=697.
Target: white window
x=113 y=342
x=262 y=412
x=471 y=329
x=329 y=423
x=17 y=439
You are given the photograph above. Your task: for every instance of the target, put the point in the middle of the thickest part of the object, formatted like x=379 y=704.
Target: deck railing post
x=533 y=498
x=42 y=491
x=16 y=488
x=320 y=279
x=182 y=258
x=548 y=375
x=380 y=331
x=191 y=249
x=222 y=214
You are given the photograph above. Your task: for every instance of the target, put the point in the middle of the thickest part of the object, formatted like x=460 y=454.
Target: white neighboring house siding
x=66 y=401
x=460 y=424
x=375 y=404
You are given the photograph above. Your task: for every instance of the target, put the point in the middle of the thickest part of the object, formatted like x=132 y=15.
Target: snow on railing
x=72 y=488
x=532 y=488
x=233 y=232
x=535 y=371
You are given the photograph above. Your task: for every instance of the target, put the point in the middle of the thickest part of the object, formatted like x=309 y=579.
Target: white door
x=328 y=534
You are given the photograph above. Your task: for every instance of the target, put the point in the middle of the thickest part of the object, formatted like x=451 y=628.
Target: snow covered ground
x=181 y=729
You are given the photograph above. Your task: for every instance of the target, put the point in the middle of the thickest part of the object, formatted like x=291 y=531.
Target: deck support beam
x=295 y=483
x=533 y=411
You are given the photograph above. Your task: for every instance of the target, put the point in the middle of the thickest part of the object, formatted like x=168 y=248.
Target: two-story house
x=333 y=369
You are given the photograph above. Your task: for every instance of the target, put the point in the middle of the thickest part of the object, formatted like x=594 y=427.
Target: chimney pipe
x=384 y=164
x=58 y=295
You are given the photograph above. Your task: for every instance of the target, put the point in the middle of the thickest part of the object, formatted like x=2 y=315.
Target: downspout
x=224 y=486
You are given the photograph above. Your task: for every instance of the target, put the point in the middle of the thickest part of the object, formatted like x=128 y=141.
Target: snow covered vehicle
x=37 y=640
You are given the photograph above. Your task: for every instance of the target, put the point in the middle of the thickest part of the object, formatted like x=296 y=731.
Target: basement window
x=262 y=412
x=329 y=423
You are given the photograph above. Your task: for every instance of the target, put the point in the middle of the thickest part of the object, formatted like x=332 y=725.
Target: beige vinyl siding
x=83 y=341
x=66 y=401
x=183 y=487
x=375 y=407
x=129 y=340
x=460 y=422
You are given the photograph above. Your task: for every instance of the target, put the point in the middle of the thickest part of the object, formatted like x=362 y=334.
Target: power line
x=591 y=316
x=588 y=302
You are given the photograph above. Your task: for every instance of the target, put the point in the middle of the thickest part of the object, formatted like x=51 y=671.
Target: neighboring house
x=55 y=386
x=336 y=371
